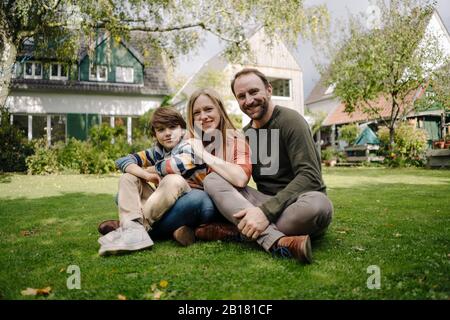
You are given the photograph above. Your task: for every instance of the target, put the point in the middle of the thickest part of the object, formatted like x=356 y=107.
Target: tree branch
x=376 y=112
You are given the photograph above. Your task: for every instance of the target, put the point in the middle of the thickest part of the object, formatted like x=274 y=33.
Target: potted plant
x=329 y=157
x=447 y=141
x=439 y=144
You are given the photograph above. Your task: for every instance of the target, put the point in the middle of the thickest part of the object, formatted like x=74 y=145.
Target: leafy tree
x=390 y=59
x=167 y=27
x=349 y=133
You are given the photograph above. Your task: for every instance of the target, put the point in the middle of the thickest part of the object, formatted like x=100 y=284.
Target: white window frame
x=119 y=72
x=330 y=89
x=33 y=70
x=59 y=76
x=290 y=89
x=97 y=73
x=14 y=69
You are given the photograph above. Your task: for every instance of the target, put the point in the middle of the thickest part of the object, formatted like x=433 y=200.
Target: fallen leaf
x=397 y=235
x=62 y=270
x=36 y=292
x=157 y=294
x=121 y=297
x=163 y=284
x=27 y=233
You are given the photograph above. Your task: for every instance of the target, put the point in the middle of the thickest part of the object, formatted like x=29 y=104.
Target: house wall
x=276 y=62
x=36 y=102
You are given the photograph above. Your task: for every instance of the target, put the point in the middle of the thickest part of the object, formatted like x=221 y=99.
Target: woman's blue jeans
x=191 y=209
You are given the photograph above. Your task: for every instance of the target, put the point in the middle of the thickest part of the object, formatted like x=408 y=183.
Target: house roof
x=318 y=93
x=338 y=116
x=155 y=75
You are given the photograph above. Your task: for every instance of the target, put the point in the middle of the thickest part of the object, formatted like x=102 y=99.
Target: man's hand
x=253 y=222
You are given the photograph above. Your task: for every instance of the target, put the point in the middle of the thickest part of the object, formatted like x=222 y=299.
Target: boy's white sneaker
x=131 y=236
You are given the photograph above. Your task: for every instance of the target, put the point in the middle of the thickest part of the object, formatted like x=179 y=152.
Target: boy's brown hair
x=166 y=117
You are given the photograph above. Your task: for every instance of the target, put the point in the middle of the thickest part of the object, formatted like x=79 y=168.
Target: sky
x=338 y=10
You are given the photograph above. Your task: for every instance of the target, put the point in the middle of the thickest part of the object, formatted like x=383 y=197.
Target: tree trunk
x=7 y=59
x=391 y=138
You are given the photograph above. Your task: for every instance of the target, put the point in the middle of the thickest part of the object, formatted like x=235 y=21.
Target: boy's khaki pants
x=139 y=201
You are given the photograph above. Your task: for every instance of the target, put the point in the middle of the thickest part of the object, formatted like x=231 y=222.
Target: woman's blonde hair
x=225 y=126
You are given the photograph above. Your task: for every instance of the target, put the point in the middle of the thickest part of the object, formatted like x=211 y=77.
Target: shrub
x=410 y=144
x=14 y=147
x=328 y=154
x=44 y=160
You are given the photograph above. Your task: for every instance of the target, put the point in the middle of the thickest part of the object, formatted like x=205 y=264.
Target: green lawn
x=398 y=220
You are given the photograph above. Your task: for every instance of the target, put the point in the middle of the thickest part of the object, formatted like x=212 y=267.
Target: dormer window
x=58 y=71
x=98 y=73
x=33 y=70
x=124 y=74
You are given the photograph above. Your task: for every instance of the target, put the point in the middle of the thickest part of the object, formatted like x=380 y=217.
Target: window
x=58 y=128
x=15 y=70
x=58 y=71
x=21 y=121
x=39 y=126
x=98 y=73
x=33 y=70
x=281 y=88
x=330 y=89
x=124 y=74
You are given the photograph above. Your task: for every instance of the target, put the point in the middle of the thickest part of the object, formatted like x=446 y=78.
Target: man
x=291 y=204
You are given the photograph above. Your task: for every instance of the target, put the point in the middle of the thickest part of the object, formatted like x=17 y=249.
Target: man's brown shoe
x=184 y=235
x=298 y=247
x=217 y=231
x=108 y=226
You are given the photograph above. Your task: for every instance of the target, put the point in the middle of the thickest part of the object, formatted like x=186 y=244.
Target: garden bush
x=45 y=158
x=410 y=145
x=14 y=147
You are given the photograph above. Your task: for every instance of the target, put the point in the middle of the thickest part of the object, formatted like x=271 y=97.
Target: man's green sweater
x=298 y=169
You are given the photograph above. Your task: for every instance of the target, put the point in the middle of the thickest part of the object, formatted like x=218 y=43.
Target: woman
x=217 y=143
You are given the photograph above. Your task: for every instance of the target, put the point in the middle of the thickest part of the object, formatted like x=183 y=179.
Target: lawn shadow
x=5 y=177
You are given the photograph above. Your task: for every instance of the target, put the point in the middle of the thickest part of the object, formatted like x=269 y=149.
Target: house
x=63 y=99
x=330 y=109
x=276 y=62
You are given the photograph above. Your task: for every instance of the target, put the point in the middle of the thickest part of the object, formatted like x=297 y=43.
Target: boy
x=140 y=206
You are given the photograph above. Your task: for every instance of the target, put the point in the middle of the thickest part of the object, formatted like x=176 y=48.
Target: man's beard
x=264 y=106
